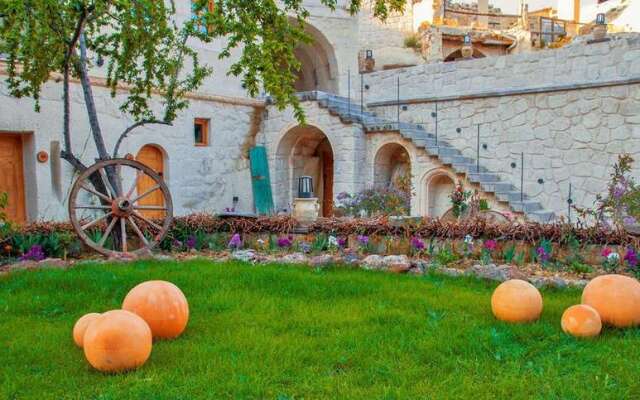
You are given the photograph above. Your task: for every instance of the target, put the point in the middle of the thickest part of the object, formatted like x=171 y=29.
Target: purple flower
x=35 y=253
x=417 y=243
x=342 y=195
x=619 y=191
x=631 y=257
x=235 y=242
x=629 y=220
x=363 y=240
x=176 y=243
x=491 y=245
x=543 y=256
x=190 y=242
x=285 y=242
x=342 y=242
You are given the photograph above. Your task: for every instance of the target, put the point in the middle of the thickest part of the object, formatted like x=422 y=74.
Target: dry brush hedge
x=530 y=232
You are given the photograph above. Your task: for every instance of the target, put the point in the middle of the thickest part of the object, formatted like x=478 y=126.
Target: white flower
x=333 y=241
x=468 y=239
x=613 y=257
x=260 y=242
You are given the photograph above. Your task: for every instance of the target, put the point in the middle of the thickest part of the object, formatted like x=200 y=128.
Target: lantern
x=305 y=187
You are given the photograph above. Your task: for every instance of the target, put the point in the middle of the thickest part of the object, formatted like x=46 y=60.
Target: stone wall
x=200 y=178
x=568 y=136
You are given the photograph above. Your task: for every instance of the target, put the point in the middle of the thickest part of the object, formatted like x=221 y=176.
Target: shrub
x=413 y=41
x=374 y=202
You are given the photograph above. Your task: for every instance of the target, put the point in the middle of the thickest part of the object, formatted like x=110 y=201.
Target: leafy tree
x=148 y=50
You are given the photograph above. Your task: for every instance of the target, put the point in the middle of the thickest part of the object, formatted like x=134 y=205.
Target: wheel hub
x=122 y=207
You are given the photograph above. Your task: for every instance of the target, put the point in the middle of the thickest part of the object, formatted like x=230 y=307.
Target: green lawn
x=283 y=332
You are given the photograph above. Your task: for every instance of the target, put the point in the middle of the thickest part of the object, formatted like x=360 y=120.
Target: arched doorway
x=392 y=167
x=319 y=69
x=153 y=157
x=439 y=188
x=457 y=55
x=304 y=151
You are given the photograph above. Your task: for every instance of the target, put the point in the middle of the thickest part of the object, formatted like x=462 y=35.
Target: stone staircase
x=448 y=155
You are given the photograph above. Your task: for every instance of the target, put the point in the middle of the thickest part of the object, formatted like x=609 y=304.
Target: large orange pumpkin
x=117 y=341
x=616 y=298
x=81 y=326
x=581 y=320
x=516 y=301
x=162 y=304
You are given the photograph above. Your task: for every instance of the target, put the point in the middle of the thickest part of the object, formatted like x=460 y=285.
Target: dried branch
x=138 y=124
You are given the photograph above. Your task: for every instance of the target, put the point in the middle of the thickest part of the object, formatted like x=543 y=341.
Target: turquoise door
x=261 y=183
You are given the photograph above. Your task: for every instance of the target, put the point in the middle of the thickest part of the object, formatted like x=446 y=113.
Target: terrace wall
x=571 y=111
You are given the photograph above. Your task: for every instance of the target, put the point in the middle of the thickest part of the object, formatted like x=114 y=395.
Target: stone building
x=567 y=113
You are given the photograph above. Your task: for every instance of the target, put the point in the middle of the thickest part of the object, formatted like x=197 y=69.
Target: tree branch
x=138 y=124
x=89 y=101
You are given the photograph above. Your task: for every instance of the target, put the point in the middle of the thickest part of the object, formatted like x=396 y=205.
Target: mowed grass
x=291 y=332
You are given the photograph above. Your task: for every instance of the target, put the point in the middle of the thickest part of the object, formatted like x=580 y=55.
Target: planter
x=467 y=51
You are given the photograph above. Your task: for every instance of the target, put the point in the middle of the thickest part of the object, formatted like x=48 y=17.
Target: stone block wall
x=567 y=136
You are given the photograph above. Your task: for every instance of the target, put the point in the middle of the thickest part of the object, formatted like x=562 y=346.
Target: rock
x=321 y=260
x=450 y=271
x=373 y=261
x=53 y=263
x=122 y=257
x=294 y=258
x=351 y=259
x=244 y=255
x=554 y=281
x=490 y=271
x=397 y=264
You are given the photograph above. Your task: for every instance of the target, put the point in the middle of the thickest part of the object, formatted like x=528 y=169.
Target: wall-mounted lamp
x=467 y=40
x=601 y=19
x=305 y=187
x=368 y=54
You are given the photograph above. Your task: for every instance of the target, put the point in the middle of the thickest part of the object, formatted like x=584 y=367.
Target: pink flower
x=490 y=245
x=606 y=251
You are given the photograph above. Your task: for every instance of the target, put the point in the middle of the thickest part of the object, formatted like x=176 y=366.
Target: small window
x=201 y=131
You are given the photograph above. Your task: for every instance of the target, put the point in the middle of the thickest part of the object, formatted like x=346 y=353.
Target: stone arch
x=435 y=188
x=319 y=69
x=457 y=55
x=392 y=161
x=304 y=150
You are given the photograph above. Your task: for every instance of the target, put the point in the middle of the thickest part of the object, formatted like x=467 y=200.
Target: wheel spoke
x=105 y=180
x=123 y=234
x=107 y=232
x=138 y=231
x=96 y=221
x=154 y=208
x=146 y=220
x=88 y=207
x=145 y=194
x=100 y=195
x=135 y=184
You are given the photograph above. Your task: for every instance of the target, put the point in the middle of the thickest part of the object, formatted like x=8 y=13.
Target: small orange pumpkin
x=581 y=320
x=162 y=304
x=516 y=301
x=117 y=341
x=81 y=326
x=616 y=298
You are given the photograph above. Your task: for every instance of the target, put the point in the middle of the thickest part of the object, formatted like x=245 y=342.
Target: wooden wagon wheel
x=105 y=209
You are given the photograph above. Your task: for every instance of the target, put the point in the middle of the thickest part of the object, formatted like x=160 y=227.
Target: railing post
x=349 y=95
x=478 y=151
x=522 y=178
x=569 y=204
x=361 y=92
x=398 y=103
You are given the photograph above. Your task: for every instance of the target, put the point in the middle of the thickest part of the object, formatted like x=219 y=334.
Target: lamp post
x=467 y=47
x=600 y=30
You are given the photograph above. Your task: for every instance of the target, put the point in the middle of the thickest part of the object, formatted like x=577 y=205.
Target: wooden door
x=152 y=157
x=12 y=176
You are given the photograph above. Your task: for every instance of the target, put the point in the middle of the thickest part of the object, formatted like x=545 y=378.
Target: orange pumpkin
x=117 y=341
x=162 y=304
x=81 y=326
x=616 y=298
x=516 y=301
x=581 y=320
